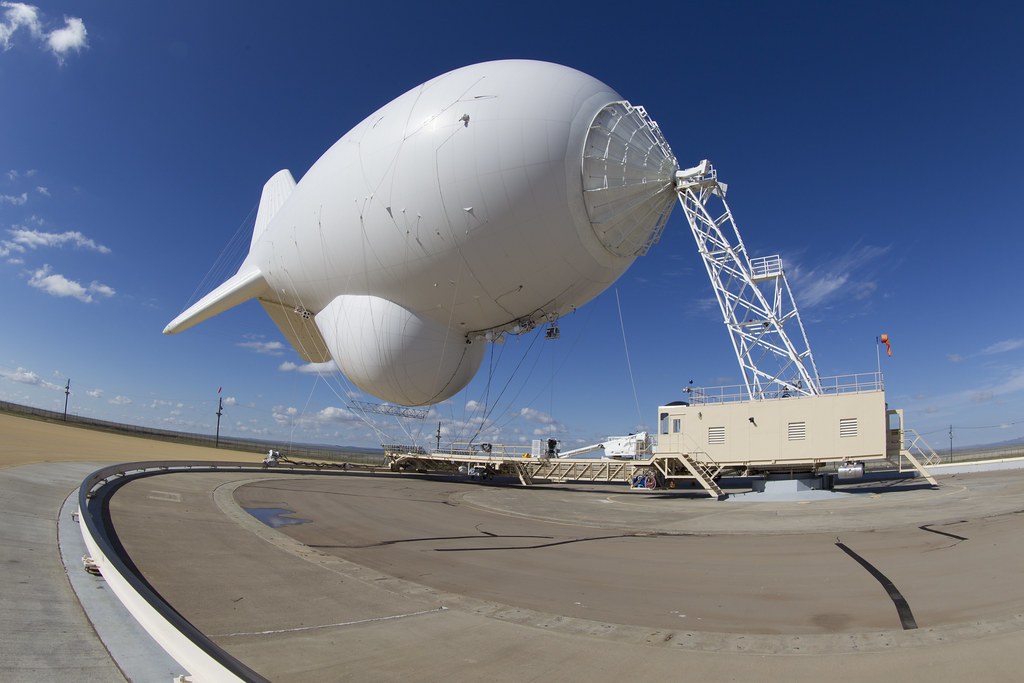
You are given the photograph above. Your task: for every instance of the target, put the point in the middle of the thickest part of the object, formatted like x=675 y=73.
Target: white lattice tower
x=754 y=296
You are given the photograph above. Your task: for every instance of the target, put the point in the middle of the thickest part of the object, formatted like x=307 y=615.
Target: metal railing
x=840 y=384
x=483 y=450
x=853 y=384
x=765 y=266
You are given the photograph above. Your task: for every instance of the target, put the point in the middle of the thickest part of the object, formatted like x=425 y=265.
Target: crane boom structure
x=755 y=299
x=388 y=409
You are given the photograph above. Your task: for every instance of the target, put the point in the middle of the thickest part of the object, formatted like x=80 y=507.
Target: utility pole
x=220 y=411
x=951 y=443
x=67 y=392
x=438 y=436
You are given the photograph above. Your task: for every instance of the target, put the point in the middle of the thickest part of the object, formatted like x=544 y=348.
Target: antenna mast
x=220 y=411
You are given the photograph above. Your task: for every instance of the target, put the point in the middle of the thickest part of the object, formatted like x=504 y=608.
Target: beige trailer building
x=719 y=427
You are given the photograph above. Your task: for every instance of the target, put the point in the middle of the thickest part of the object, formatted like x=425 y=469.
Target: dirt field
x=24 y=441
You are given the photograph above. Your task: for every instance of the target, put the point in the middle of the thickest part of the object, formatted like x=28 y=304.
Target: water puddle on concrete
x=275 y=517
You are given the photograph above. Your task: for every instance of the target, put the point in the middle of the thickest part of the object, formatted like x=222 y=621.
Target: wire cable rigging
x=629 y=365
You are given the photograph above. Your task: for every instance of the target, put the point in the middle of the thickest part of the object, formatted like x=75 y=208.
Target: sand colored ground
x=24 y=441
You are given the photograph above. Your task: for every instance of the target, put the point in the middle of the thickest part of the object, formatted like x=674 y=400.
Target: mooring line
x=344 y=623
x=902 y=608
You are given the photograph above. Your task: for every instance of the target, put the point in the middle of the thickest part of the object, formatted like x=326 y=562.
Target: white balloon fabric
x=387 y=350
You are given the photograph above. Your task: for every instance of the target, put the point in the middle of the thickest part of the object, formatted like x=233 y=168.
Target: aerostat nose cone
x=628 y=179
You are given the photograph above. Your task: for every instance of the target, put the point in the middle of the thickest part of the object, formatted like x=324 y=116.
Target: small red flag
x=888 y=348
x=219 y=388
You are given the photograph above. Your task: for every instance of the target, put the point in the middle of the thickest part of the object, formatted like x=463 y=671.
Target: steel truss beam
x=756 y=302
x=388 y=409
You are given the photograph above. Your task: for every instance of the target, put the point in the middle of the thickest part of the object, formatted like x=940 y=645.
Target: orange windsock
x=885 y=338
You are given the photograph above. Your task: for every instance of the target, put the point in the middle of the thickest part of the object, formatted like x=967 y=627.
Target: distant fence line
x=333 y=454
x=981 y=453
x=361 y=456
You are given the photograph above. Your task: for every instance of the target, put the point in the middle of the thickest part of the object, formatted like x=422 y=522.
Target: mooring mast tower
x=756 y=303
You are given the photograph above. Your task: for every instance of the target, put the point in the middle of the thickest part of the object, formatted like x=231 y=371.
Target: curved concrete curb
x=132 y=650
x=199 y=655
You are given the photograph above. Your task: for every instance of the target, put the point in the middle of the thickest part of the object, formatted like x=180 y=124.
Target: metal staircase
x=916 y=445
x=685 y=466
x=705 y=475
x=907 y=443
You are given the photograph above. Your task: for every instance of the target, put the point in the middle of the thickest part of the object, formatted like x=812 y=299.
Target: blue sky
x=876 y=146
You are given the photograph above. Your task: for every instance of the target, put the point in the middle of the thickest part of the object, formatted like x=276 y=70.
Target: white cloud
x=22 y=239
x=475 y=406
x=101 y=289
x=822 y=283
x=328 y=368
x=58 y=285
x=231 y=401
x=999 y=347
x=1012 y=383
x=23 y=376
x=272 y=348
x=71 y=37
x=120 y=401
x=333 y=414
x=536 y=416
x=16 y=200
x=95 y=393
x=1003 y=346
x=18 y=15
x=45 y=191
x=330 y=415
x=817 y=288
x=553 y=426
x=290 y=411
x=284 y=416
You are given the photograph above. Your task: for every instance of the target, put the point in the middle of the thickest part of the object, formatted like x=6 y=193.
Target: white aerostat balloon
x=484 y=202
